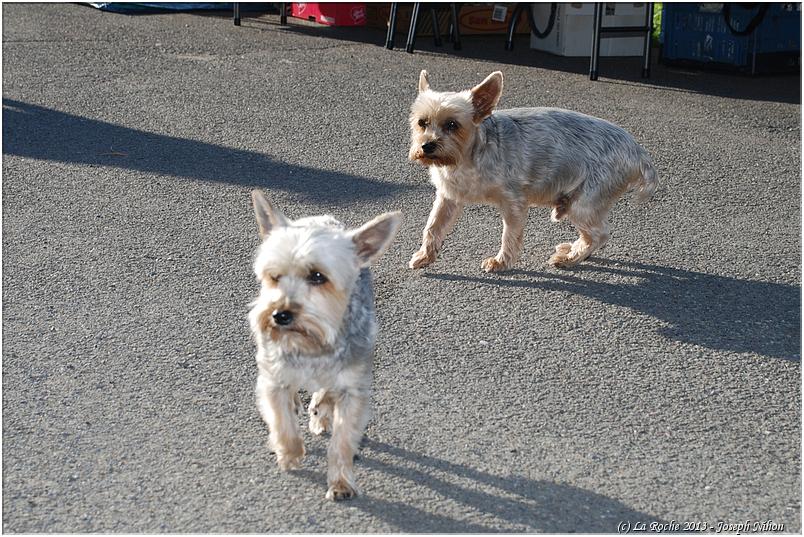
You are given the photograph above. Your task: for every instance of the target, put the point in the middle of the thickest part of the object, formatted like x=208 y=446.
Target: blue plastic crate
x=698 y=34
x=780 y=31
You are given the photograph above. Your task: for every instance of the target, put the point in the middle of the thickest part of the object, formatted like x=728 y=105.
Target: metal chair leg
x=236 y=13
x=648 y=41
x=456 y=32
x=436 y=32
x=389 y=38
x=509 y=44
x=597 y=22
x=414 y=19
x=283 y=14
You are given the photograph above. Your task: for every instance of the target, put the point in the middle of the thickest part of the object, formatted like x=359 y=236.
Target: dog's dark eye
x=423 y=123
x=273 y=278
x=316 y=278
x=451 y=126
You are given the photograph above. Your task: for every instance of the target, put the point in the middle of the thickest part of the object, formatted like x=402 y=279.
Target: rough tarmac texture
x=658 y=382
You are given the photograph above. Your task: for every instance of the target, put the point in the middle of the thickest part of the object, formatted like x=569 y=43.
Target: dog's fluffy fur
x=314 y=326
x=577 y=164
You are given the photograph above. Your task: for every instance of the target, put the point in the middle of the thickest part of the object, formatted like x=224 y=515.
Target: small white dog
x=315 y=328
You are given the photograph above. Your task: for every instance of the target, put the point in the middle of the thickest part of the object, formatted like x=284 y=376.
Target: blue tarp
x=126 y=7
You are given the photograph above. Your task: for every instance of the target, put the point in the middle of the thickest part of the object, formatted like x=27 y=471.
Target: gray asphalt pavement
x=659 y=382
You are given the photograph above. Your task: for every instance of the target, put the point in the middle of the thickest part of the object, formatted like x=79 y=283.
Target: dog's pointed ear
x=268 y=216
x=424 y=83
x=371 y=239
x=486 y=95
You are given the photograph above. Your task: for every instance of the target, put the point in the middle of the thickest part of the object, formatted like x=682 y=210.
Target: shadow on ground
x=775 y=88
x=717 y=312
x=530 y=504
x=45 y=134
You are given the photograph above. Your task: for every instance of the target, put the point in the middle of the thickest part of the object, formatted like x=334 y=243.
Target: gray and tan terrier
x=315 y=327
x=577 y=164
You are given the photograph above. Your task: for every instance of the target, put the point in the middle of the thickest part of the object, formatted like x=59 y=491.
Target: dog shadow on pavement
x=717 y=312
x=41 y=133
x=438 y=496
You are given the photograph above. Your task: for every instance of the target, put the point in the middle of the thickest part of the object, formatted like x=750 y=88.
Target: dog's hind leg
x=320 y=411
x=593 y=227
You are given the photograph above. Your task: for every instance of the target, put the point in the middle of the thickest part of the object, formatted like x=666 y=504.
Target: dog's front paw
x=492 y=264
x=290 y=456
x=421 y=259
x=288 y=463
x=341 y=490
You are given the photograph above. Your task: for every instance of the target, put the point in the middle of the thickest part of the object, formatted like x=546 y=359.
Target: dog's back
x=561 y=149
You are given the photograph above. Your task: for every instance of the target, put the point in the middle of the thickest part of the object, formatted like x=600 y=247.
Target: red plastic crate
x=331 y=14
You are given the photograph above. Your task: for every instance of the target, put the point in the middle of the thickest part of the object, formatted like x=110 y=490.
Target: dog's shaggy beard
x=314 y=329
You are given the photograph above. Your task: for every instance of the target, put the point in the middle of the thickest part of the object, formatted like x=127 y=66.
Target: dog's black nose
x=429 y=147
x=283 y=318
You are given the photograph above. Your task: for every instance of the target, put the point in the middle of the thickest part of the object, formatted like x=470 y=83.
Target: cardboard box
x=480 y=19
x=330 y=14
x=572 y=31
x=473 y=19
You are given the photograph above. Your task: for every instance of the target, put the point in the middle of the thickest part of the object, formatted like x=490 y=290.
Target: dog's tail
x=648 y=181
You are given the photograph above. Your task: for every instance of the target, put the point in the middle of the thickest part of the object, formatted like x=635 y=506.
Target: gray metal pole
x=597 y=21
x=648 y=41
